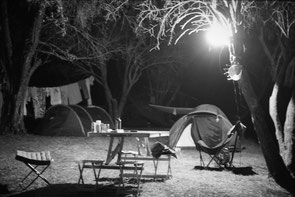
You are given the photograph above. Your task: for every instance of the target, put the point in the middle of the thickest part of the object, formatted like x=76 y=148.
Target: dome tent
x=206 y=122
x=69 y=120
x=98 y=113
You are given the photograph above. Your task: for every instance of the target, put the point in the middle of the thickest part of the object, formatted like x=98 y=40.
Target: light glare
x=218 y=35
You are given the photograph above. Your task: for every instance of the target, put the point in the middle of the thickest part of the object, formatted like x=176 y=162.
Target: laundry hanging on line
x=70 y=94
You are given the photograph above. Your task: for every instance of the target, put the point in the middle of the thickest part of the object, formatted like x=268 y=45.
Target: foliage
x=96 y=35
x=176 y=18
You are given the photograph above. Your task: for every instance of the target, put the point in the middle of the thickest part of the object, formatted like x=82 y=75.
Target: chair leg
x=81 y=169
x=215 y=158
x=96 y=175
x=156 y=162
x=212 y=158
x=26 y=177
x=233 y=152
x=201 y=159
x=169 y=172
x=138 y=176
x=121 y=176
x=121 y=179
x=39 y=175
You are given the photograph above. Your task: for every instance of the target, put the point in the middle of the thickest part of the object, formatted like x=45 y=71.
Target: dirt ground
x=248 y=178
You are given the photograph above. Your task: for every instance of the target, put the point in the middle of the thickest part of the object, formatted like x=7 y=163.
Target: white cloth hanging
x=89 y=82
x=74 y=93
x=55 y=96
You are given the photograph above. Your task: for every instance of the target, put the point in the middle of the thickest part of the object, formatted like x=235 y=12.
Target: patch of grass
x=186 y=181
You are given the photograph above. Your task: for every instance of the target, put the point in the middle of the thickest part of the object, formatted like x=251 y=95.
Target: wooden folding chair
x=33 y=160
x=97 y=165
x=93 y=164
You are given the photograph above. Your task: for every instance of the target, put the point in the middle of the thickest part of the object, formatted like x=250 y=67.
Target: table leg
x=147 y=146
x=109 y=156
x=118 y=149
x=138 y=144
x=143 y=142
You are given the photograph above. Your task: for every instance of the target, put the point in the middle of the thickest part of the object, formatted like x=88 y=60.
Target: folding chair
x=97 y=165
x=220 y=153
x=88 y=164
x=33 y=160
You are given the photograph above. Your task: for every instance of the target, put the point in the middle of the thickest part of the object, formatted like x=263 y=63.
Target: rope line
x=237 y=93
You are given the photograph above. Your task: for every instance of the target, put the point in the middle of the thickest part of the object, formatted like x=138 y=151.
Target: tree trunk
x=18 y=122
x=131 y=75
x=289 y=137
x=111 y=104
x=269 y=144
x=6 y=116
x=27 y=71
x=6 y=63
x=282 y=111
x=123 y=99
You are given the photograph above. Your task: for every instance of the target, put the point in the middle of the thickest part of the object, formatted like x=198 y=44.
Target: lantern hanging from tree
x=234 y=72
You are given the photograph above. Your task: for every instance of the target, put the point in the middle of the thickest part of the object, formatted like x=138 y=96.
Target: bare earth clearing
x=186 y=181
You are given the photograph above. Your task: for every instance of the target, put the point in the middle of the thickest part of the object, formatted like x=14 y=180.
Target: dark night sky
x=205 y=81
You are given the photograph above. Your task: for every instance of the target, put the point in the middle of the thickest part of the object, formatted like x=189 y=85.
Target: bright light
x=218 y=35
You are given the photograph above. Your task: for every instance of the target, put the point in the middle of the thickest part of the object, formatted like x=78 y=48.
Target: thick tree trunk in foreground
x=269 y=144
x=282 y=111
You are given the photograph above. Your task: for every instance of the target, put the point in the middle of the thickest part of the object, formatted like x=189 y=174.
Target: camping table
x=121 y=137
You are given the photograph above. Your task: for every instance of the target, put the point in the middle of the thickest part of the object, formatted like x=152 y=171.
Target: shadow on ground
x=75 y=190
x=245 y=171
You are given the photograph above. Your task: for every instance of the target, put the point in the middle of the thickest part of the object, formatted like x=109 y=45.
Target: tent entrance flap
x=186 y=139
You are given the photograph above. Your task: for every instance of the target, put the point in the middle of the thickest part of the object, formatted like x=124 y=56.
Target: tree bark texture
x=282 y=111
x=269 y=144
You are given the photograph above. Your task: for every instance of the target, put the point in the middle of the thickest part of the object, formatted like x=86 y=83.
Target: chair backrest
x=232 y=133
x=210 y=128
x=236 y=129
